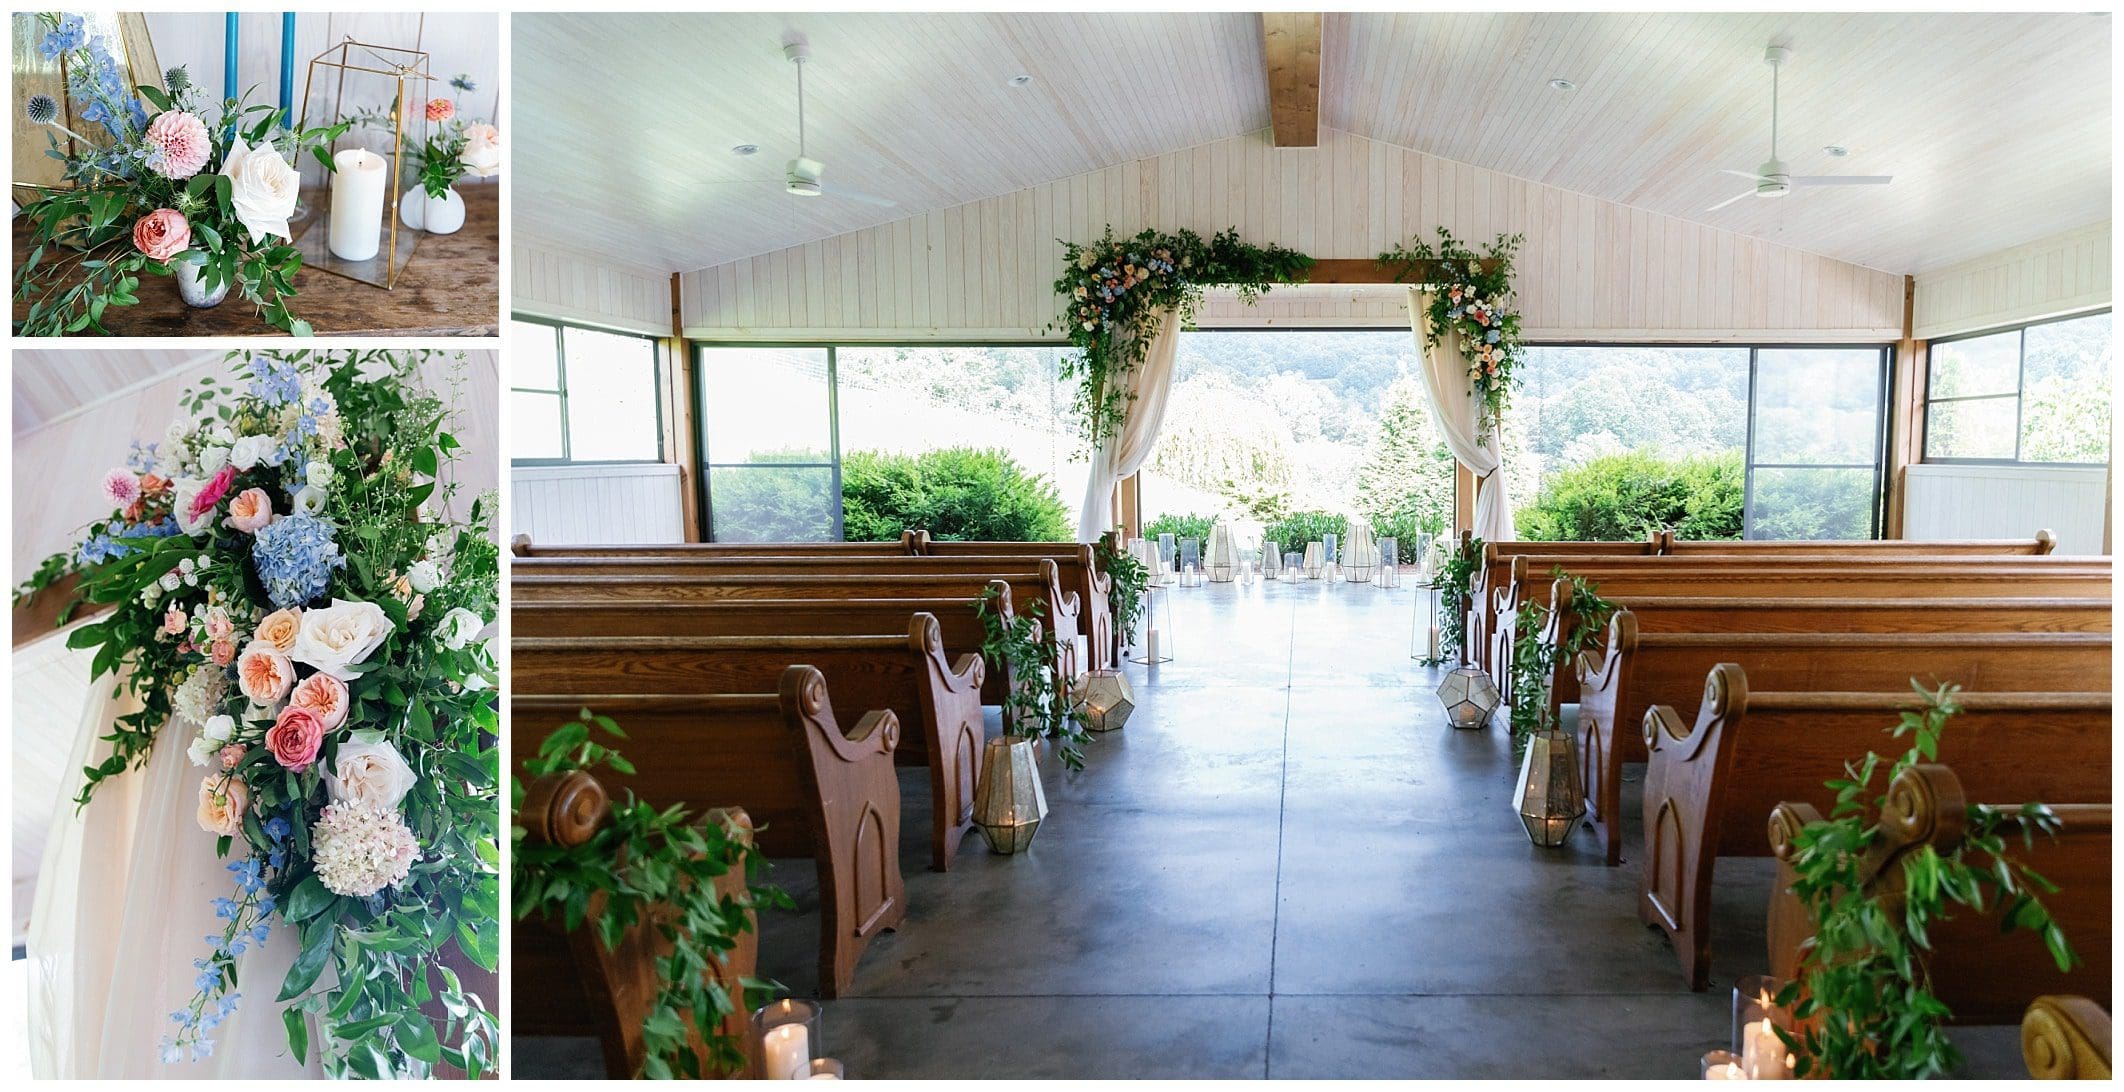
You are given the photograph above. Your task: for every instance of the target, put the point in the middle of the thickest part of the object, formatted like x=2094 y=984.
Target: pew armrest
x=2066 y=1039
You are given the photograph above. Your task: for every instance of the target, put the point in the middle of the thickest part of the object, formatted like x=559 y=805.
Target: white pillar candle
x=358 y=181
x=1763 y=1054
x=1150 y=644
x=788 y=1048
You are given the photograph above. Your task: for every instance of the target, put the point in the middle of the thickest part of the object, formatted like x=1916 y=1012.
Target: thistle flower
x=464 y=83
x=42 y=109
x=177 y=80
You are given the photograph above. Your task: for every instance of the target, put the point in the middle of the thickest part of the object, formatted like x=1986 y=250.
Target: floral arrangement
x=280 y=587
x=181 y=186
x=1127 y=580
x=1115 y=288
x=1472 y=298
x=456 y=148
x=658 y=867
x=1863 y=996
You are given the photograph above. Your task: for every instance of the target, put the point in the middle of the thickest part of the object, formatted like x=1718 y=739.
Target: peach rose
x=295 y=738
x=222 y=802
x=279 y=628
x=222 y=652
x=162 y=234
x=264 y=673
x=250 y=511
x=323 y=695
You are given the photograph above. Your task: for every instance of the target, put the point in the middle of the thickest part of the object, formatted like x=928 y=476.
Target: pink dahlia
x=182 y=139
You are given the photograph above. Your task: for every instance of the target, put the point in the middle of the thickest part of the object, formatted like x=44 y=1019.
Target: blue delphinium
x=71 y=32
x=108 y=544
x=142 y=458
x=294 y=558
x=210 y=1007
x=276 y=382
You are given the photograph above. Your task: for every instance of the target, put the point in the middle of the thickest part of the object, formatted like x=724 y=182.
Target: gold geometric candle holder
x=407 y=69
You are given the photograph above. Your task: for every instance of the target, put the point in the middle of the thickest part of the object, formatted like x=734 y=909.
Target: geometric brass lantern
x=1469 y=697
x=1105 y=699
x=407 y=71
x=1009 y=802
x=1551 y=797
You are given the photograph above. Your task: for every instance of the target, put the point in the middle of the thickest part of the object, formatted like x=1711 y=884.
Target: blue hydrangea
x=294 y=558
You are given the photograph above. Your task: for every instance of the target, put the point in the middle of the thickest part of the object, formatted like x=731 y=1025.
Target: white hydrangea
x=359 y=850
x=198 y=698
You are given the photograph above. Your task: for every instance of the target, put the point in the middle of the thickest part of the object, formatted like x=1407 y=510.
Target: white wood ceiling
x=52 y=383
x=1996 y=126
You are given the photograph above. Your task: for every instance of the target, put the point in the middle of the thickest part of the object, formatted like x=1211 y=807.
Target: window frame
x=703 y=486
x=1876 y=515
x=2019 y=394
x=560 y=329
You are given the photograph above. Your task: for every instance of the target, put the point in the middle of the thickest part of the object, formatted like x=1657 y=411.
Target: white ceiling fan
x=801 y=176
x=1771 y=179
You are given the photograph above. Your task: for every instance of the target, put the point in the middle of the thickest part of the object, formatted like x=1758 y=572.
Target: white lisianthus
x=176 y=433
x=262 y=189
x=318 y=472
x=458 y=627
x=220 y=434
x=424 y=575
x=333 y=639
x=202 y=750
x=309 y=500
x=184 y=492
x=371 y=774
x=171 y=581
x=249 y=451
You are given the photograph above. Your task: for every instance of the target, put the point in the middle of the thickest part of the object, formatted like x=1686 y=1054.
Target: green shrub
x=1406 y=525
x=768 y=503
x=1300 y=528
x=1627 y=496
x=956 y=494
x=1178 y=526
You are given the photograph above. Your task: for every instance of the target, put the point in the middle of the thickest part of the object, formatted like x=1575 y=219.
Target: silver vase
x=191 y=286
x=1009 y=802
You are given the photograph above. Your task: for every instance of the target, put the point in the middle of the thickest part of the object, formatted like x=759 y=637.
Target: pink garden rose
x=264 y=673
x=222 y=652
x=441 y=109
x=218 y=626
x=323 y=695
x=295 y=738
x=222 y=801
x=250 y=511
x=121 y=488
x=162 y=234
x=211 y=493
x=230 y=755
x=182 y=139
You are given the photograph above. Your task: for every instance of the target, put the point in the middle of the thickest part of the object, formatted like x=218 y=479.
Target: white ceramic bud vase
x=435 y=215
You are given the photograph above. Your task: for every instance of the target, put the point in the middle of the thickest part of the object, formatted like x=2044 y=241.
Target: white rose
x=458 y=627
x=371 y=774
x=184 y=492
x=221 y=435
x=176 y=433
x=262 y=189
x=212 y=459
x=483 y=151
x=318 y=473
x=333 y=639
x=309 y=500
x=219 y=728
x=424 y=576
x=249 y=451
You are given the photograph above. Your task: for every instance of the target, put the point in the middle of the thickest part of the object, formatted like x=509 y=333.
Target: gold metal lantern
x=1469 y=697
x=1551 y=797
x=409 y=83
x=1009 y=803
x=1105 y=699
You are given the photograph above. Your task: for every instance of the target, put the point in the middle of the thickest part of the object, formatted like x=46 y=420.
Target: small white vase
x=434 y=215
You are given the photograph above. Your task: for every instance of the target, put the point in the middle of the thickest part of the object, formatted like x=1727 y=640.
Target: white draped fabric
x=1122 y=453
x=123 y=906
x=1457 y=412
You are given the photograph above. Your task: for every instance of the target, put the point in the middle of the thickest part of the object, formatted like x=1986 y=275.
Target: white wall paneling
x=2054 y=276
x=584 y=503
x=1591 y=269
x=570 y=286
x=1963 y=501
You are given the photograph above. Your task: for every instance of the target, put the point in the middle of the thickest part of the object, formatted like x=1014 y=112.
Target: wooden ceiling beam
x=1363 y=271
x=1291 y=45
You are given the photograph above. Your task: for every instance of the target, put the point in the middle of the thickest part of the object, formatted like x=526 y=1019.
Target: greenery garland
x=1115 y=288
x=1534 y=660
x=1455 y=581
x=653 y=866
x=1127 y=580
x=1864 y=994
x=1471 y=297
x=1035 y=707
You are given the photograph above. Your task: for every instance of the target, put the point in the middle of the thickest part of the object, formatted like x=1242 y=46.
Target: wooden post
x=1131 y=491
x=681 y=429
x=1463 y=497
x=1906 y=414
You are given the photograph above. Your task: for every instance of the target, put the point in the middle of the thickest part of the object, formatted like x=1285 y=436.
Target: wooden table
x=451 y=288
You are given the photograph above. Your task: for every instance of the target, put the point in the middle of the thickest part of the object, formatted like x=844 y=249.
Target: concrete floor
x=1286 y=866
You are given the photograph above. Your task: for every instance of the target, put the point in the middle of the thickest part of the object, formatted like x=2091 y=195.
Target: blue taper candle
x=228 y=57
x=287 y=68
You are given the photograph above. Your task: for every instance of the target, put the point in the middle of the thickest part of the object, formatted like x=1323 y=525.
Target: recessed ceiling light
x=745 y=149
x=1837 y=150
x=1563 y=85
x=1020 y=80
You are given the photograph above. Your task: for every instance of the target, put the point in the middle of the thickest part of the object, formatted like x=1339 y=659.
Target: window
x=579 y=395
x=2031 y=394
x=1814 y=443
x=773 y=463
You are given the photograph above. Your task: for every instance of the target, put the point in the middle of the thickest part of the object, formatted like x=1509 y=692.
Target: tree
x=1408 y=469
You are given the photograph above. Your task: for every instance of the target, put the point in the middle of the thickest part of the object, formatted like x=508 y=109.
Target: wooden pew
x=647 y=580
x=1983 y=976
x=1079 y=566
x=2066 y=1039
x=909 y=542
x=937 y=701
x=1617 y=684
x=957 y=623
x=1706 y=787
x=814 y=790
x=2043 y=543
x=569 y=983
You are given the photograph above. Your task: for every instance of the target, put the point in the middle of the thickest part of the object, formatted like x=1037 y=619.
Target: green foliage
x=1179 y=526
x=1455 y=579
x=1534 y=660
x=1626 y=497
x=766 y=502
x=1036 y=706
x=1300 y=528
x=1127 y=580
x=1407 y=475
x=1864 y=992
x=1115 y=289
x=653 y=867
x=956 y=494
x=1471 y=300
x=1813 y=503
